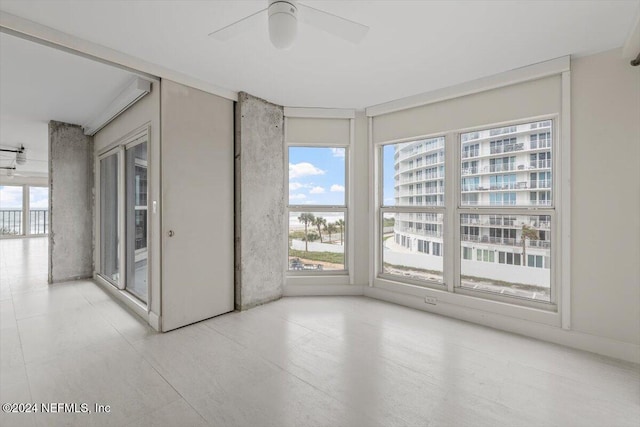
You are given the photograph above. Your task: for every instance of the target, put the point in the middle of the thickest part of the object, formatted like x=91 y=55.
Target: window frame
x=331 y=277
x=512 y=210
x=548 y=312
x=382 y=209
x=25 y=215
x=119 y=148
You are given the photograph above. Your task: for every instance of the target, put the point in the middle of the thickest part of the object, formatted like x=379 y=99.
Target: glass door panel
x=136 y=220
x=11 y=210
x=109 y=242
x=38 y=210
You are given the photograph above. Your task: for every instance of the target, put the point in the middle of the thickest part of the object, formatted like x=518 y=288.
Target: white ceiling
x=412 y=47
x=39 y=84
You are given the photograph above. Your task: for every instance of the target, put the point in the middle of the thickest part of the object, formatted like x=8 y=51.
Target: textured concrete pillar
x=71 y=193
x=259 y=169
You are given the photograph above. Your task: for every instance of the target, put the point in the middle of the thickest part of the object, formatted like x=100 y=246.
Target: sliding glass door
x=136 y=216
x=124 y=217
x=109 y=221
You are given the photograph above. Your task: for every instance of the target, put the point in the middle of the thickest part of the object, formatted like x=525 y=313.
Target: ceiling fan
x=283 y=23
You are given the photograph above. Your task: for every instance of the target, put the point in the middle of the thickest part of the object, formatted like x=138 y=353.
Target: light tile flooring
x=330 y=361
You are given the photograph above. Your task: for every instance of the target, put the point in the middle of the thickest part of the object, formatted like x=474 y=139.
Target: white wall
x=604 y=223
x=360 y=211
x=605 y=220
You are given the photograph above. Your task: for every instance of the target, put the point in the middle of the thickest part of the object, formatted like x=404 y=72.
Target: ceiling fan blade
x=350 y=31
x=238 y=27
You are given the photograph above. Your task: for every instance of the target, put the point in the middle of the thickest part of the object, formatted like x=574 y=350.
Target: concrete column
x=259 y=204
x=71 y=192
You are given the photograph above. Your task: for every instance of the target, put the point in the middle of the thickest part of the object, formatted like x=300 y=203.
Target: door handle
x=171 y=233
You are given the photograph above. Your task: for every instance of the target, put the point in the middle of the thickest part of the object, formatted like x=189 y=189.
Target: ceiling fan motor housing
x=283 y=23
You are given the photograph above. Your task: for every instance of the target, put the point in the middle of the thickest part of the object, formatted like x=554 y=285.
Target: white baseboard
x=601 y=345
x=323 y=290
x=153 y=319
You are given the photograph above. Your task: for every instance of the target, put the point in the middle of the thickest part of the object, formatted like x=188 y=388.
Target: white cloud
x=296 y=186
x=316 y=190
x=338 y=152
x=297 y=196
x=335 y=188
x=10 y=197
x=298 y=170
x=39 y=197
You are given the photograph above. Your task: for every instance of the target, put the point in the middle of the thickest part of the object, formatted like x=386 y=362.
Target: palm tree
x=330 y=229
x=340 y=224
x=319 y=222
x=530 y=233
x=307 y=219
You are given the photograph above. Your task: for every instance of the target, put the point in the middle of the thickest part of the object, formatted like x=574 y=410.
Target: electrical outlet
x=431 y=300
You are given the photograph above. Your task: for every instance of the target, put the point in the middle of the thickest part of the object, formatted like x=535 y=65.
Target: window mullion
x=451 y=234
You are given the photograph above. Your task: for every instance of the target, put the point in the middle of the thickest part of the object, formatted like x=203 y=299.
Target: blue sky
x=316 y=176
x=387 y=167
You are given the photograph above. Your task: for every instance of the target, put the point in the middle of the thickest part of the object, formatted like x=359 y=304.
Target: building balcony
x=408 y=153
x=540 y=202
x=415 y=180
x=505 y=241
x=510 y=148
x=11 y=222
x=540 y=184
x=421 y=165
x=421 y=232
x=540 y=144
x=470 y=153
x=540 y=164
x=506 y=222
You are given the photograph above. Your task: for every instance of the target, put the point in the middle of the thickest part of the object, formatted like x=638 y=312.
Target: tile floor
x=321 y=361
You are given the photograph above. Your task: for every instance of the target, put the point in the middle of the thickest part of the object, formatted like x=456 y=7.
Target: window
x=504 y=204
x=38 y=210
x=471 y=150
x=24 y=210
x=535 y=261
x=412 y=228
x=517 y=244
x=502 y=164
x=11 y=201
x=317 y=208
x=109 y=219
x=502 y=199
x=136 y=217
x=470 y=184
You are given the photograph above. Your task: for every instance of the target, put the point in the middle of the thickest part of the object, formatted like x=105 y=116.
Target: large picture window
x=24 y=210
x=511 y=239
x=502 y=207
x=317 y=209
